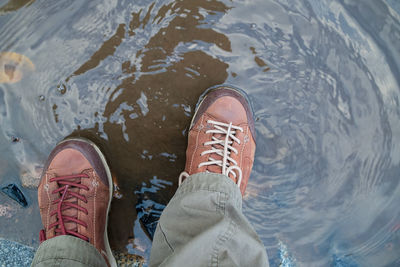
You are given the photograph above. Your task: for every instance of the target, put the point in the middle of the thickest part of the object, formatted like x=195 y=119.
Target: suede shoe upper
x=221 y=137
x=74 y=195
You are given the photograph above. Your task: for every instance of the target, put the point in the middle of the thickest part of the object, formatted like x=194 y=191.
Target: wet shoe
x=75 y=195
x=222 y=136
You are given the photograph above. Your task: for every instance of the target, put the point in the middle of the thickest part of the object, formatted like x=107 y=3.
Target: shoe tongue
x=71 y=212
x=215 y=168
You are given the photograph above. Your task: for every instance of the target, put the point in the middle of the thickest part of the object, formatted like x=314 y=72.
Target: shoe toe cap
x=229 y=110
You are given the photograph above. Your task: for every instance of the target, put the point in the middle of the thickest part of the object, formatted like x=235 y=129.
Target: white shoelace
x=228 y=164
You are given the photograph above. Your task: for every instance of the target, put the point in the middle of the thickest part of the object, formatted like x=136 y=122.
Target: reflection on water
x=323 y=77
x=13 y=66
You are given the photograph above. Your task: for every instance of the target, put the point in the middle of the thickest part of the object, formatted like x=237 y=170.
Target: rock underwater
x=15 y=193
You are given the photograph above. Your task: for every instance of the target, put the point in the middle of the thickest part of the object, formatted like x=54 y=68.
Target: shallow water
x=323 y=77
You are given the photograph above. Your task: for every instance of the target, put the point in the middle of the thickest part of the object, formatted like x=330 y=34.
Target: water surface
x=323 y=77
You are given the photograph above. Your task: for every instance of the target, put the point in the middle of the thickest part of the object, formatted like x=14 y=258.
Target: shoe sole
x=217 y=87
x=109 y=253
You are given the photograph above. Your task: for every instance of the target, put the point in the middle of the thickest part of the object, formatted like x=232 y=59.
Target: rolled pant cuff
x=68 y=250
x=212 y=182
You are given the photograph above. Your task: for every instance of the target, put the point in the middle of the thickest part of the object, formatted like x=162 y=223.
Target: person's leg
x=67 y=251
x=203 y=225
x=74 y=196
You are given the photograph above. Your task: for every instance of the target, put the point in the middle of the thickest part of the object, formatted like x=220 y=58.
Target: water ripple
x=323 y=77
